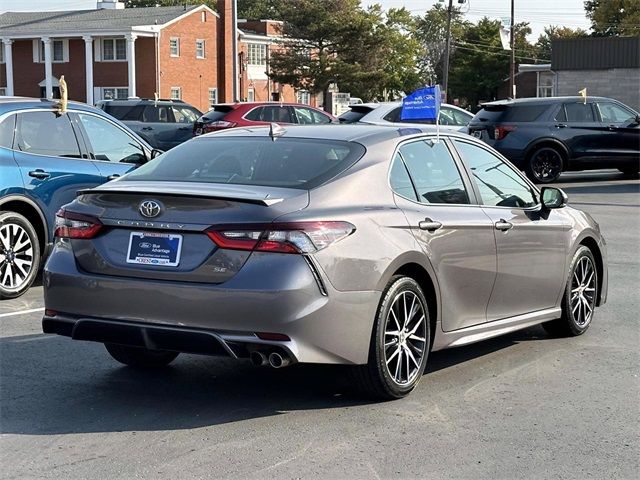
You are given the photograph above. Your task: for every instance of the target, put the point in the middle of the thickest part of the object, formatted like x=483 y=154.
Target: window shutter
x=36 y=50
x=65 y=50
x=97 y=49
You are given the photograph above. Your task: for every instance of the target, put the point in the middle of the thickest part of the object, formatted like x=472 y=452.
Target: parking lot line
x=21 y=312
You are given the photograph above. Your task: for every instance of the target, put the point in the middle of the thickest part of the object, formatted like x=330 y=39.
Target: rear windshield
x=508 y=113
x=125 y=112
x=287 y=162
x=353 y=115
x=217 y=113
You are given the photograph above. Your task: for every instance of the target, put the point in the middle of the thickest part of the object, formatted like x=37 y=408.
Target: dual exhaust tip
x=274 y=359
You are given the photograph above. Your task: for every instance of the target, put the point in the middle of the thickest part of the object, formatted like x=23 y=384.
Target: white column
x=88 y=61
x=8 y=63
x=131 y=59
x=48 y=67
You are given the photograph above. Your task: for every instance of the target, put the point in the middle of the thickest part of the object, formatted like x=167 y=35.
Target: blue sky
x=538 y=13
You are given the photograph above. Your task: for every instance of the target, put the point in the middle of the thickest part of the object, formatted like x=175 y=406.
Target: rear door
x=52 y=164
x=530 y=244
x=453 y=232
x=156 y=126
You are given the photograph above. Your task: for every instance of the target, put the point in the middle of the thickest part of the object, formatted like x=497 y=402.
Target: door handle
x=39 y=174
x=429 y=225
x=147 y=128
x=612 y=128
x=113 y=177
x=503 y=225
x=561 y=125
x=185 y=128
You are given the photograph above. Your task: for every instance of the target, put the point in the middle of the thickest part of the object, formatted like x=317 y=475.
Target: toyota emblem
x=150 y=208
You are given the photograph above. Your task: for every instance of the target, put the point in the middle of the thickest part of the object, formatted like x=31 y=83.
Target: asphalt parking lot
x=519 y=406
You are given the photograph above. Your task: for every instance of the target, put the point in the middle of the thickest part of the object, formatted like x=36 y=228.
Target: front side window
x=454 y=117
x=46 y=133
x=199 y=48
x=109 y=143
x=498 y=183
x=434 y=172
x=289 y=162
x=310 y=116
x=114 y=49
x=174 y=47
x=614 y=113
x=257 y=54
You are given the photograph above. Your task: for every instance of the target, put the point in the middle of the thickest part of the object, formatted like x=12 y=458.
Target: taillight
x=219 y=125
x=76 y=225
x=500 y=132
x=295 y=237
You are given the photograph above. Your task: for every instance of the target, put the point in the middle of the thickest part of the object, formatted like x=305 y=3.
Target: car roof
x=543 y=101
x=365 y=134
x=15 y=103
x=142 y=101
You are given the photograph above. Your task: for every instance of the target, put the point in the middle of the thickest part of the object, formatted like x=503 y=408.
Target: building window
x=303 y=96
x=545 y=84
x=176 y=93
x=1 y=52
x=213 y=96
x=174 y=47
x=199 y=48
x=3 y=91
x=203 y=17
x=59 y=51
x=115 y=93
x=114 y=49
x=257 y=54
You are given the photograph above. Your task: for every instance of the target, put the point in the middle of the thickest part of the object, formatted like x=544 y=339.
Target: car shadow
x=51 y=385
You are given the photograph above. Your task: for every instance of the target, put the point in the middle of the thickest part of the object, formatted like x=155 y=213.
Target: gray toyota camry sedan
x=358 y=245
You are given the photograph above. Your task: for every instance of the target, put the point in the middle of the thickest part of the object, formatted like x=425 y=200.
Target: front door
x=530 y=244
x=621 y=135
x=454 y=234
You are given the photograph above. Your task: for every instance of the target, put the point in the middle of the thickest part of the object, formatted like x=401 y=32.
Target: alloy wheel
x=16 y=256
x=583 y=292
x=405 y=337
x=546 y=165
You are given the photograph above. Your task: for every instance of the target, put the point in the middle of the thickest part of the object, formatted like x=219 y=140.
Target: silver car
x=356 y=245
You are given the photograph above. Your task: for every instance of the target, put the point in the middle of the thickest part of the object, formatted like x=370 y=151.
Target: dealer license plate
x=150 y=248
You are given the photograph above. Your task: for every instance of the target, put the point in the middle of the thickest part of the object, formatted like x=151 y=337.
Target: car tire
x=140 y=357
x=545 y=164
x=19 y=255
x=631 y=171
x=403 y=309
x=579 y=299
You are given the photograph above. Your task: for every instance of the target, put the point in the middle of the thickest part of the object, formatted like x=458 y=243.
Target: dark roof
x=595 y=53
x=21 y=23
x=543 y=100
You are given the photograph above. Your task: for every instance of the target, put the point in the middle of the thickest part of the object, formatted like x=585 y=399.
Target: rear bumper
x=275 y=293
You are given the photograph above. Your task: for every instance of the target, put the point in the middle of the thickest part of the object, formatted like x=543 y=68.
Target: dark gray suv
x=546 y=136
x=163 y=123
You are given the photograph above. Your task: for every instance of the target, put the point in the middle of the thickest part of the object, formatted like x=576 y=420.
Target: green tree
x=543 y=45
x=613 y=17
x=259 y=9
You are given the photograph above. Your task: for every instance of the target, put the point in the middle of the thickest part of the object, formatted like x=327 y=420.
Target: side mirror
x=552 y=197
x=135 y=159
x=636 y=121
x=156 y=152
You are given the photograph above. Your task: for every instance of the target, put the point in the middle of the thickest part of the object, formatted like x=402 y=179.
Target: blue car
x=45 y=158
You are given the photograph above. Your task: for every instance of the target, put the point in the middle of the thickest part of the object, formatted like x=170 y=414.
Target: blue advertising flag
x=423 y=104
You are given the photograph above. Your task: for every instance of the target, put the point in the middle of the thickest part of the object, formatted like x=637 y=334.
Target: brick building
x=181 y=52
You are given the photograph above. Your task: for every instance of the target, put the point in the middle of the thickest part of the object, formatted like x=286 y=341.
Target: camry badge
x=150 y=208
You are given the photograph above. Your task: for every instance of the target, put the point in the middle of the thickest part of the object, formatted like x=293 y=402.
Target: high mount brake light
x=76 y=225
x=500 y=132
x=294 y=237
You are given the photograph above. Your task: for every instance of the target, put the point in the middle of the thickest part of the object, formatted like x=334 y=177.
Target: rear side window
x=287 y=162
x=353 y=115
x=46 y=133
x=575 y=112
x=125 y=112
x=218 y=113
x=156 y=114
x=399 y=179
x=185 y=114
x=511 y=113
x=272 y=113
x=7 y=128
x=434 y=172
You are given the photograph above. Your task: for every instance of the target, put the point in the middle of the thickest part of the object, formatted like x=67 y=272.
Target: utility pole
x=445 y=75
x=512 y=73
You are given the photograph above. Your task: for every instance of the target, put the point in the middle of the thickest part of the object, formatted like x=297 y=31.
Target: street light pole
x=512 y=68
x=445 y=74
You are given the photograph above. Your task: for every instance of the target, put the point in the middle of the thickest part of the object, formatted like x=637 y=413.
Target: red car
x=229 y=115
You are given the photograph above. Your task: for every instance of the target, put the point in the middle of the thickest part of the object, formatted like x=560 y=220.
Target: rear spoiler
x=266 y=201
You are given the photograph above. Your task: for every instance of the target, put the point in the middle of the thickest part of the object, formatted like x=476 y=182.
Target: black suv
x=546 y=136
x=163 y=123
